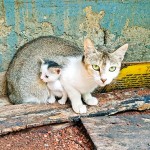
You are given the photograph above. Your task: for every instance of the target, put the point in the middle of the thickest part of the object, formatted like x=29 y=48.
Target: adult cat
x=83 y=74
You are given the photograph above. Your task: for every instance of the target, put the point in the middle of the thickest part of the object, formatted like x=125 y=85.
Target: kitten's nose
x=103 y=80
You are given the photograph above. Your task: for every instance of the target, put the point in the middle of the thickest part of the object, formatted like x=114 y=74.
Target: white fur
x=77 y=82
x=31 y=100
x=76 y=75
x=53 y=84
x=56 y=89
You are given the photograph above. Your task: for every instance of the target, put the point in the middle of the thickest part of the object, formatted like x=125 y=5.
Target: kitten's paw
x=51 y=100
x=62 y=101
x=91 y=101
x=80 y=109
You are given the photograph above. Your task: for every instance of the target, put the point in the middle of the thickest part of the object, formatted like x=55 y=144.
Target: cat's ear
x=88 y=47
x=41 y=60
x=120 y=52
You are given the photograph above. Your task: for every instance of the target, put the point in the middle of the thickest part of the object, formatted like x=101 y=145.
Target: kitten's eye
x=112 y=69
x=46 y=76
x=96 y=67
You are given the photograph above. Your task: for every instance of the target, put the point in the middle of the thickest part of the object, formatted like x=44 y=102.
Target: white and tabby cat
x=83 y=74
x=50 y=74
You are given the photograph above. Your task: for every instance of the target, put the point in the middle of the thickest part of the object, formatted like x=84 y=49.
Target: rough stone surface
x=119 y=132
x=17 y=117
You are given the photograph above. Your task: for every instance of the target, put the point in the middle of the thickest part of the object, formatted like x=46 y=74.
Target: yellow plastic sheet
x=132 y=75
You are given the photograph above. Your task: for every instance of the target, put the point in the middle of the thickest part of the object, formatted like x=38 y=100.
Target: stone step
x=119 y=132
x=17 y=117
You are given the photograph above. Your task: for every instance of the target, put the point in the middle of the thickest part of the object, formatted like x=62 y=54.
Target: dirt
x=51 y=137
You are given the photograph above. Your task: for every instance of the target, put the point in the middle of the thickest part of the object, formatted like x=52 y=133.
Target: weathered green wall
x=109 y=22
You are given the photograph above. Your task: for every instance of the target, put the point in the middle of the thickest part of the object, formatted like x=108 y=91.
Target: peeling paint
x=3 y=48
x=40 y=29
x=4 y=30
x=27 y=26
x=136 y=33
x=91 y=25
x=138 y=39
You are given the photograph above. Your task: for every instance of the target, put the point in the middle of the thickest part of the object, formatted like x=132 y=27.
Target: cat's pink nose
x=103 y=80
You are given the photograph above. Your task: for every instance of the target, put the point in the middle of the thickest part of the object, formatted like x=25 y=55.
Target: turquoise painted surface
x=22 y=21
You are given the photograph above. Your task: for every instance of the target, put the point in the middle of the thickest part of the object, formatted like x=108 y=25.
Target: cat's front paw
x=51 y=100
x=91 y=101
x=62 y=101
x=80 y=109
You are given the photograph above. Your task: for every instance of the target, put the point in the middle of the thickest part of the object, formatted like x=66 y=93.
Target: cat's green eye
x=112 y=68
x=96 y=67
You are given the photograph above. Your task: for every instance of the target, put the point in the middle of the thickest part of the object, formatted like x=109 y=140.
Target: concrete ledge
x=17 y=117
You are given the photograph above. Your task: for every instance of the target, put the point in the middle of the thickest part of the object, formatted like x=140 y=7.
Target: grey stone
x=119 y=132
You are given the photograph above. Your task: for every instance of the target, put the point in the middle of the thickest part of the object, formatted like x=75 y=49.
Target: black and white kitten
x=50 y=74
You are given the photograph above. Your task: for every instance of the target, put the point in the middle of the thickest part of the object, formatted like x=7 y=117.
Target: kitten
x=83 y=74
x=50 y=74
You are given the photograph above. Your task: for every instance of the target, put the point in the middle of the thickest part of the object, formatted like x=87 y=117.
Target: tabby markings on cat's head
x=50 y=71
x=100 y=64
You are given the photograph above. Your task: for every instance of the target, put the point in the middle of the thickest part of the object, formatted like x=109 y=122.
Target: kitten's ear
x=120 y=52
x=89 y=47
x=41 y=60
